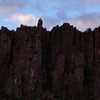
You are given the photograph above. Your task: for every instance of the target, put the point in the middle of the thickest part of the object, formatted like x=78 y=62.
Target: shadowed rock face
x=61 y=64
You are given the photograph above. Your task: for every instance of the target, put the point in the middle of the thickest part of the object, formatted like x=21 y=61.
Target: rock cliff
x=61 y=64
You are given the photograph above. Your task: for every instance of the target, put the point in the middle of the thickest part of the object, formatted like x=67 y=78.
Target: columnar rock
x=61 y=64
x=96 y=73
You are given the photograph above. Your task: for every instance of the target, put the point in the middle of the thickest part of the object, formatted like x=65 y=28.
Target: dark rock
x=61 y=64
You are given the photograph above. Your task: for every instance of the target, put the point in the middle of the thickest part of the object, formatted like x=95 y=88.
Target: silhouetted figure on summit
x=40 y=23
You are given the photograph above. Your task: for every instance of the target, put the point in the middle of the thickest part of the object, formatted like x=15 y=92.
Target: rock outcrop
x=61 y=64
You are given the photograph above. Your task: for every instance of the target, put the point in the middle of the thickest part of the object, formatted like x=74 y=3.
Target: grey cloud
x=84 y=2
x=81 y=22
x=59 y=7
x=59 y=11
x=86 y=21
x=10 y=6
x=49 y=23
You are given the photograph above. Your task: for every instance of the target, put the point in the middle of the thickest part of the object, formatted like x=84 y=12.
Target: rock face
x=61 y=64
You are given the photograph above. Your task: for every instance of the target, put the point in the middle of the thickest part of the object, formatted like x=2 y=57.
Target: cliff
x=61 y=64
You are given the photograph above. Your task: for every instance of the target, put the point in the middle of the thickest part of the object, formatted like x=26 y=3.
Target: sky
x=82 y=14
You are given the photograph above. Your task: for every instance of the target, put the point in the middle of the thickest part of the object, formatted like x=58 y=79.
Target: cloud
x=26 y=19
x=11 y=6
x=93 y=2
x=81 y=22
x=86 y=21
x=47 y=7
x=81 y=13
x=49 y=23
x=30 y=20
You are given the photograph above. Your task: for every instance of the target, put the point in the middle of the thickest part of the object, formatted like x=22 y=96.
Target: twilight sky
x=80 y=13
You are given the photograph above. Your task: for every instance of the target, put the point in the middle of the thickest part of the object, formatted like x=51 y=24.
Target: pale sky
x=82 y=14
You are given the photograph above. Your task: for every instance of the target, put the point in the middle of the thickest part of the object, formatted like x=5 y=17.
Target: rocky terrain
x=61 y=64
